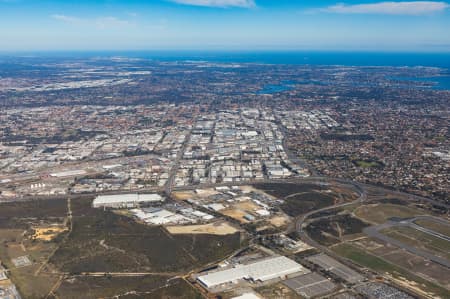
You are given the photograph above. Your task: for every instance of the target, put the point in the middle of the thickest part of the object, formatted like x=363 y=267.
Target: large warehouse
x=120 y=201
x=260 y=271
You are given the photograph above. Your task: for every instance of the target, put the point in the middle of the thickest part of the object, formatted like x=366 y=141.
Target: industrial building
x=68 y=173
x=3 y=275
x=120 y=201
x=158 y=216
x=260 y=271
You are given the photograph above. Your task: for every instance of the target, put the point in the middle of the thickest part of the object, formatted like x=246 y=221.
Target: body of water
x=441 y=60
x=271 y=57
x=272 y=88
x=440 y=82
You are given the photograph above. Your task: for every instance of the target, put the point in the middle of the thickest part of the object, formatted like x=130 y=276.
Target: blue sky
x=364 y=25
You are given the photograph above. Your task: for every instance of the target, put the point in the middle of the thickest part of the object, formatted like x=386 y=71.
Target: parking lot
x=310 y=285
x=335 y=267
x=382 y=291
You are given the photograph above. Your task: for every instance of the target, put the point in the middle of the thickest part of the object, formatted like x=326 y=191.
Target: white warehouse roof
x=118 y=199
x=68 y=173
x=262 y=270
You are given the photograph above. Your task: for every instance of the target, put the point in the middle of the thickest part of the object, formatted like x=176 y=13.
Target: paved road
x=293 y=157
x=427 y=230
x=299 y=222
x=173 y=171
x=374 y=231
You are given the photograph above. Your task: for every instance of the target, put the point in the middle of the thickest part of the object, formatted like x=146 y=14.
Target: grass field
x=367 y=164
x=281 y=190
x=16 y=222
x=126 y=287
x=380 y=213
x=332 y=230
x=419 y=266
x=434 y=225
x=17 y=214
x=381 y=266
x=102 y=241
x=421 y=240
x=277 y=291
x=302 y=203
x=34 y=209
x=14 y=244
x=303 y=198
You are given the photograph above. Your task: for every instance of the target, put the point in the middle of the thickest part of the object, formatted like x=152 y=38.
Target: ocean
x=441 y=60
x=396 y=59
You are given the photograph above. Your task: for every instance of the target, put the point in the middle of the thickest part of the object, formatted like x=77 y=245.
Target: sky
x=236 y=25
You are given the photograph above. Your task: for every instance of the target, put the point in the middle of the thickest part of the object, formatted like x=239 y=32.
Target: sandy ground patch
x=264 y=227
x=205 y=192
x=235 y=214
x=240 y=209
x=217 y=228
x=248 y=206
x=279 y=221
x=48 y=233
x=248 y=189
x=183 y=195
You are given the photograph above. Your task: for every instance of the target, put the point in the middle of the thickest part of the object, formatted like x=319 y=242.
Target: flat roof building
x=119 y=201
x=260 y=271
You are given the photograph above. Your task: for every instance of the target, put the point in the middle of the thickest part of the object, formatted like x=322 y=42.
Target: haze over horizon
x=251 y=25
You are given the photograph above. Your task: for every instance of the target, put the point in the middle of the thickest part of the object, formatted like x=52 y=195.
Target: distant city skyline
x=251 y=25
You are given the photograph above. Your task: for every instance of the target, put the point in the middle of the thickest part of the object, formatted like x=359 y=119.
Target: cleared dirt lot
x=48 y=233
x=279 y=221
x=240 y=209
x=235 y=214
x=183 y=195
x=217 y=228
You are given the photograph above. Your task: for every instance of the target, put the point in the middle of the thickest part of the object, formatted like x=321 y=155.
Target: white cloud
x=218 y=3
x=108 y=22
x=67 y=19
x=99 y=23
x=393 y=8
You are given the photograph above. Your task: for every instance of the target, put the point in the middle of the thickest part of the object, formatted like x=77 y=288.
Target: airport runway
x=374 y=231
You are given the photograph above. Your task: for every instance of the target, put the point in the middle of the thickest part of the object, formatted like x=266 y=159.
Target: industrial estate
x=236 y=189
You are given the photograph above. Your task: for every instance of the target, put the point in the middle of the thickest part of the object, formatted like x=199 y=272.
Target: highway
x=301 y=220
x=293 y=157
x=168 y=187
